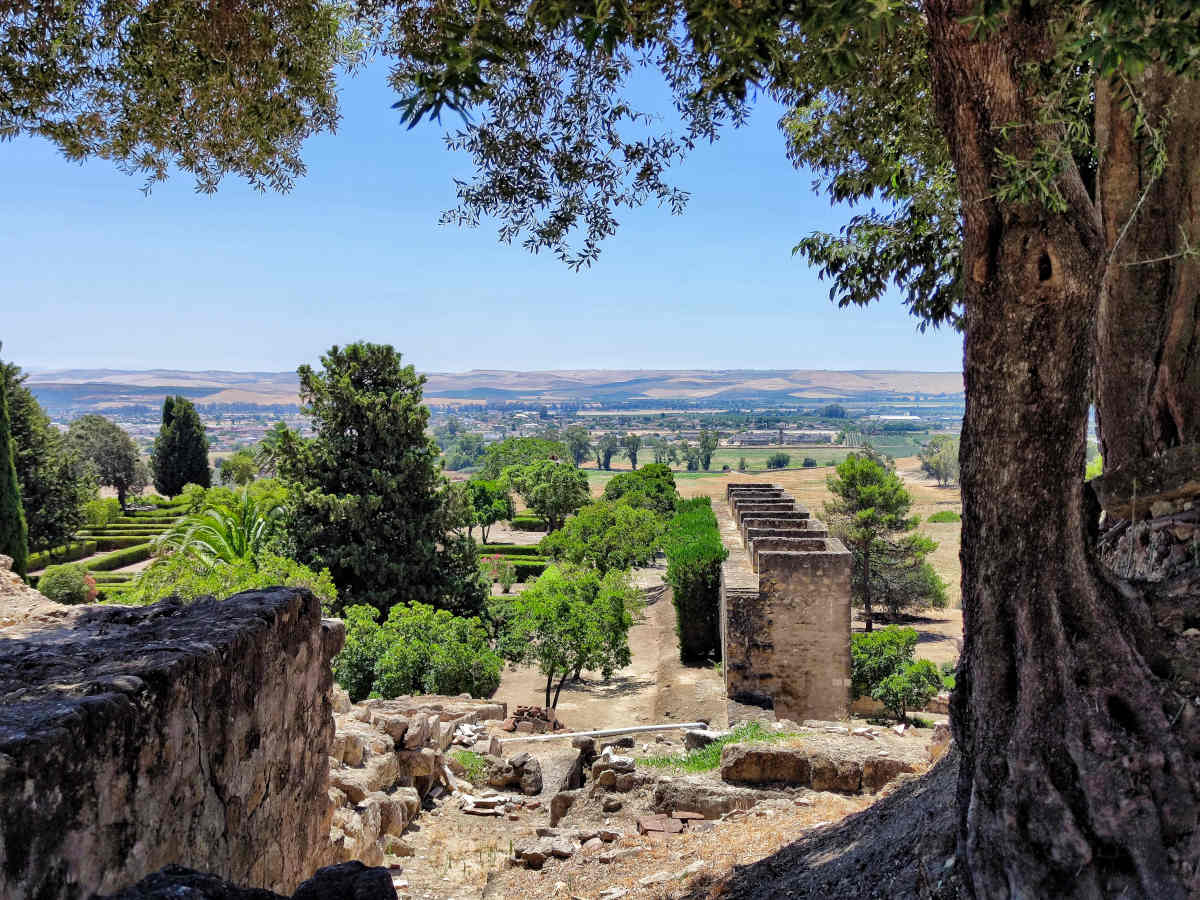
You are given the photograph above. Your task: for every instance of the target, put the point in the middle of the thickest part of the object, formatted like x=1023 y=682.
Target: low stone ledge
x=137 y=737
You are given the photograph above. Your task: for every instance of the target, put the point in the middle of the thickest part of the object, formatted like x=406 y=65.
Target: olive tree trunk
x=1148 y=342
x=1072 y=782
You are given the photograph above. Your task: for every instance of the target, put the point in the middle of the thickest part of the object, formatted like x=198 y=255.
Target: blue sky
x=94 y=274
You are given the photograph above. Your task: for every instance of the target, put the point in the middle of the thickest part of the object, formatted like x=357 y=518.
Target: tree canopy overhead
x=233 y=88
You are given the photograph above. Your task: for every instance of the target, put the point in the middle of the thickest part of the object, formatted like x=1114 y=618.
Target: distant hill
x=74 y=391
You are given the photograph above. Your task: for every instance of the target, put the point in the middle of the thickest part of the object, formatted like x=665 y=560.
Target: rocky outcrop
x=386 y=757
x=135 y=738
x=847 y=764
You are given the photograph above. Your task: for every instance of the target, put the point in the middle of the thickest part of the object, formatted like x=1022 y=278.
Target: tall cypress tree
x=181 y=448
x=14 y=536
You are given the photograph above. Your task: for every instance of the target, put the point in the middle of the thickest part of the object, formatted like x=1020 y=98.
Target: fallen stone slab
x=698 y=739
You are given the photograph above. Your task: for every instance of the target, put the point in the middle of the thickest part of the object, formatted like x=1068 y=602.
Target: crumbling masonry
x=785 y=606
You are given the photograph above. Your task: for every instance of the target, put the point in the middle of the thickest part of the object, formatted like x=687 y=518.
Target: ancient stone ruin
x=785 y=606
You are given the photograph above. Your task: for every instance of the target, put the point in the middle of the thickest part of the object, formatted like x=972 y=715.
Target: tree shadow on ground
x=616 y=687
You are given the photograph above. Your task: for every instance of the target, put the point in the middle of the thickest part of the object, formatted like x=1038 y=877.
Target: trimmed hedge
x=528 y=568
x=694 y=556
x=65 y=554
x=509 y=550
x=119 y=542
x=528 y=523
x=113 y=577
x=118 y=559
x=155 y=518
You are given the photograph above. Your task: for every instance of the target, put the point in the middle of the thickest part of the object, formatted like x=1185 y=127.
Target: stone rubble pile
x=388 y=756
x=533 y=720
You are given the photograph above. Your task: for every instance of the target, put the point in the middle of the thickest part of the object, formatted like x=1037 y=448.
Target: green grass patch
x=473 y=762
x=708 y=758
x=944 y=515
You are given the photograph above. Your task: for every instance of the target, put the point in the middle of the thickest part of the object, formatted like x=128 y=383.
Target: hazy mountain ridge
x=76 y=390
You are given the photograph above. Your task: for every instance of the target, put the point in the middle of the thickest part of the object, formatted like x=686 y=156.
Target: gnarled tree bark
x=1074 y=780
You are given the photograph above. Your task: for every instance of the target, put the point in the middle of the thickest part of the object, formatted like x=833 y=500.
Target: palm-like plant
x=226 y=533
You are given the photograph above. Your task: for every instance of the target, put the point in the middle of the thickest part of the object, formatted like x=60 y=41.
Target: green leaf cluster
x=66 y=584
x=882 y=667
x=491 y=502
x=416 y=650
x=650 y=487
x=519 y=452
x=188 y=577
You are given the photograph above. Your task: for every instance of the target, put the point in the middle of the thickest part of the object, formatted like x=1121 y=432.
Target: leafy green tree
x=519 y=452
x=181 y=449
x=882 y=667
x=491 y=502
x=939 y=458
x=570 y=619
x=111 y=452
x=607 y=535
x=690 y=454
x=632 y=443
x=1094 y=468
x=606 y=448
x=742 y=465
x=870 y=504
x=368 y=501
x=902 y=578
x=14 y=535
x=833 y=411
x=809 y=463
x=466 y=450
x=417 y=650
x=778 y=460
x=579 y=443
x=651 y=487
x=708 y=446
x=56 y=484
x=240 y=468
x=553 y=490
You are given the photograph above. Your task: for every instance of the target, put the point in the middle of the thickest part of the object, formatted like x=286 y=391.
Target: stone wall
x=785 y=606
x=133 y=738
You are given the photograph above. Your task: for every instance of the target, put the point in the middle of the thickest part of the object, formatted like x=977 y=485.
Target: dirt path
x=654 y=688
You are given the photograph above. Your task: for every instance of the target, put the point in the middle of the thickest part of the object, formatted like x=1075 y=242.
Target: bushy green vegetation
x=882 y=667
x=519 y=452
x=511 y=549
x=112 y=453
x=190 y=576
x=571 y=619
x=939 y=458
x=694 y=556
x=417 y=649
x=119 y=559
x=650 y=487
x=1094 y=468
x=707 y=758
x=944 y=516
x=527 y=523
x=67 y=584
x=490 y=502
x=778 y=460
x=607 y=535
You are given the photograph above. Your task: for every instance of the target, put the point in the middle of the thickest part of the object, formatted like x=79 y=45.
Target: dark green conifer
x=14 y=536
x=181 y=448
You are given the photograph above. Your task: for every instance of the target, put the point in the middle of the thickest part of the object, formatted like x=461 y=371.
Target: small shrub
x=510 y=549
x=948 y=675
x=809 y=462
x=778 y=460
x=67 y=584
x=945 y=515
x=497 y=568
x=742 y=464
x=882 y=667
x=98 y=513
x=910 y=688
x=527 y=523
